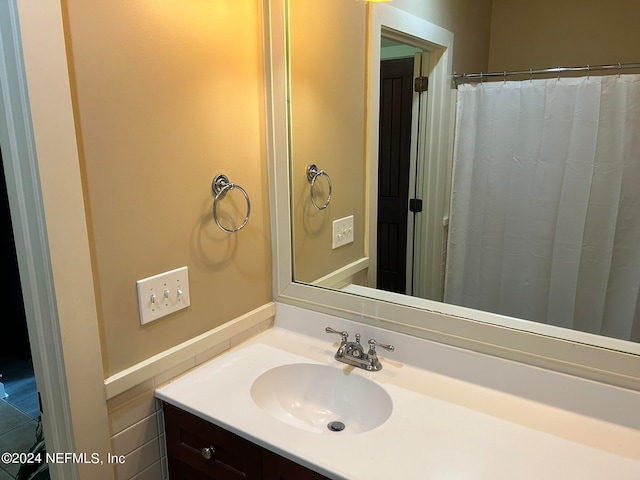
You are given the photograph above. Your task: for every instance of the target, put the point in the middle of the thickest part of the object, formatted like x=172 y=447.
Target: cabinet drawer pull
x=208 y=452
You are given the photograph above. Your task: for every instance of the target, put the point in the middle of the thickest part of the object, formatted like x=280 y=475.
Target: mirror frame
x=598 y=358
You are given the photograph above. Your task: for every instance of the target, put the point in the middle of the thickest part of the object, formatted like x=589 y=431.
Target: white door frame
x=415 y=237
x=27 y=215
x=435 y=139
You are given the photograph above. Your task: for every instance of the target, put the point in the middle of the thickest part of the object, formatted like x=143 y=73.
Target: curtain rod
x=587 y=68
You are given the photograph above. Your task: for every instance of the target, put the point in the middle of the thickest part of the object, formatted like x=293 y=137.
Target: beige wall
x=161 y=103
x=167 y=95
x=328 y=75
x=548 y=33
x=468 y=20
x=496 y=35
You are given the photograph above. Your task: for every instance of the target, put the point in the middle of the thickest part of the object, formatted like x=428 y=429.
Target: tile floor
x=17 y=434
x=20 y=384
x=18 y=412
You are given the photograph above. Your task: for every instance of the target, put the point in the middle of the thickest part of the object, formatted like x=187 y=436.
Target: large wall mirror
x=350 y=132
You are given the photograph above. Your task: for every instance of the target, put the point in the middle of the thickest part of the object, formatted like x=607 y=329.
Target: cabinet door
x=182 y=471
x=275 y=467
x=230 y=456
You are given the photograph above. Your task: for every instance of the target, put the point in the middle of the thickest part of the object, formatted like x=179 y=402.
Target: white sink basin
x=321 y=399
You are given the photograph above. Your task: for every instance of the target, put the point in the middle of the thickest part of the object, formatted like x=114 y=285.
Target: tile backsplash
x=136 y=420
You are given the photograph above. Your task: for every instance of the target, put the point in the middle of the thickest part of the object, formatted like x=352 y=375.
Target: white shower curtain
x=545 y=205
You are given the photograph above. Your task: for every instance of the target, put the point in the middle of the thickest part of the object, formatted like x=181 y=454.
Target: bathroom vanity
x=265 y=409
x=197 y=449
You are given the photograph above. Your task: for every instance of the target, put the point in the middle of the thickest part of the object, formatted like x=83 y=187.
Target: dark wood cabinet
x=189 y=437
x=275 y=467
x=199 y=450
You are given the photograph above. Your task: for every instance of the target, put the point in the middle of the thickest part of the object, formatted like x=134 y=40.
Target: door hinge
x=415 y=205
x=421 y=84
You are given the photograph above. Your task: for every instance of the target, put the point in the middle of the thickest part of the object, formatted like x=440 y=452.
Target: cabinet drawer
x=232 y=457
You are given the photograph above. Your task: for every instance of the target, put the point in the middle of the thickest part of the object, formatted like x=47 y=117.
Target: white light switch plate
x=163 y=294
x=342 y=231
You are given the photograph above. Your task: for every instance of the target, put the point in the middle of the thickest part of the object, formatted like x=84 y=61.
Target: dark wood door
x=396 y=92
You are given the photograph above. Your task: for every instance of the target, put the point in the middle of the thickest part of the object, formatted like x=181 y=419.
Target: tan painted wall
x=167 y=95
x=328 y=51
x=468 y=20
x=550 y=33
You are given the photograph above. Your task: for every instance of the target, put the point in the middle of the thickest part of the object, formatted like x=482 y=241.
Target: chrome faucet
x=352 y=353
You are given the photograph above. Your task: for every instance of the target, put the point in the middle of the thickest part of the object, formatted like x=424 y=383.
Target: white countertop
x=441 y=427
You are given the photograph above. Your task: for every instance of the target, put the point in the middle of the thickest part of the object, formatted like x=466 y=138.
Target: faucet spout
x=352 y=353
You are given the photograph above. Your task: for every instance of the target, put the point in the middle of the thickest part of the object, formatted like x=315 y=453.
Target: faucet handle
x=344 y=333
x=373 y=344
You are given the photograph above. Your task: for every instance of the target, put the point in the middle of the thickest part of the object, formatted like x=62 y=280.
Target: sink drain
x=335 y=426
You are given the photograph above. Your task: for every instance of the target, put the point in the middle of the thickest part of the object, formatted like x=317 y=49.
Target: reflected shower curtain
x=545 y=205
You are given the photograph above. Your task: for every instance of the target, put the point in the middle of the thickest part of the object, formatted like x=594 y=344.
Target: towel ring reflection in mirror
x=220 y=187
x=312 y=175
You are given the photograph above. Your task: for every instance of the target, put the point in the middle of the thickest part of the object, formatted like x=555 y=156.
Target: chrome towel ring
x=220 y=187
x=312 y=175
